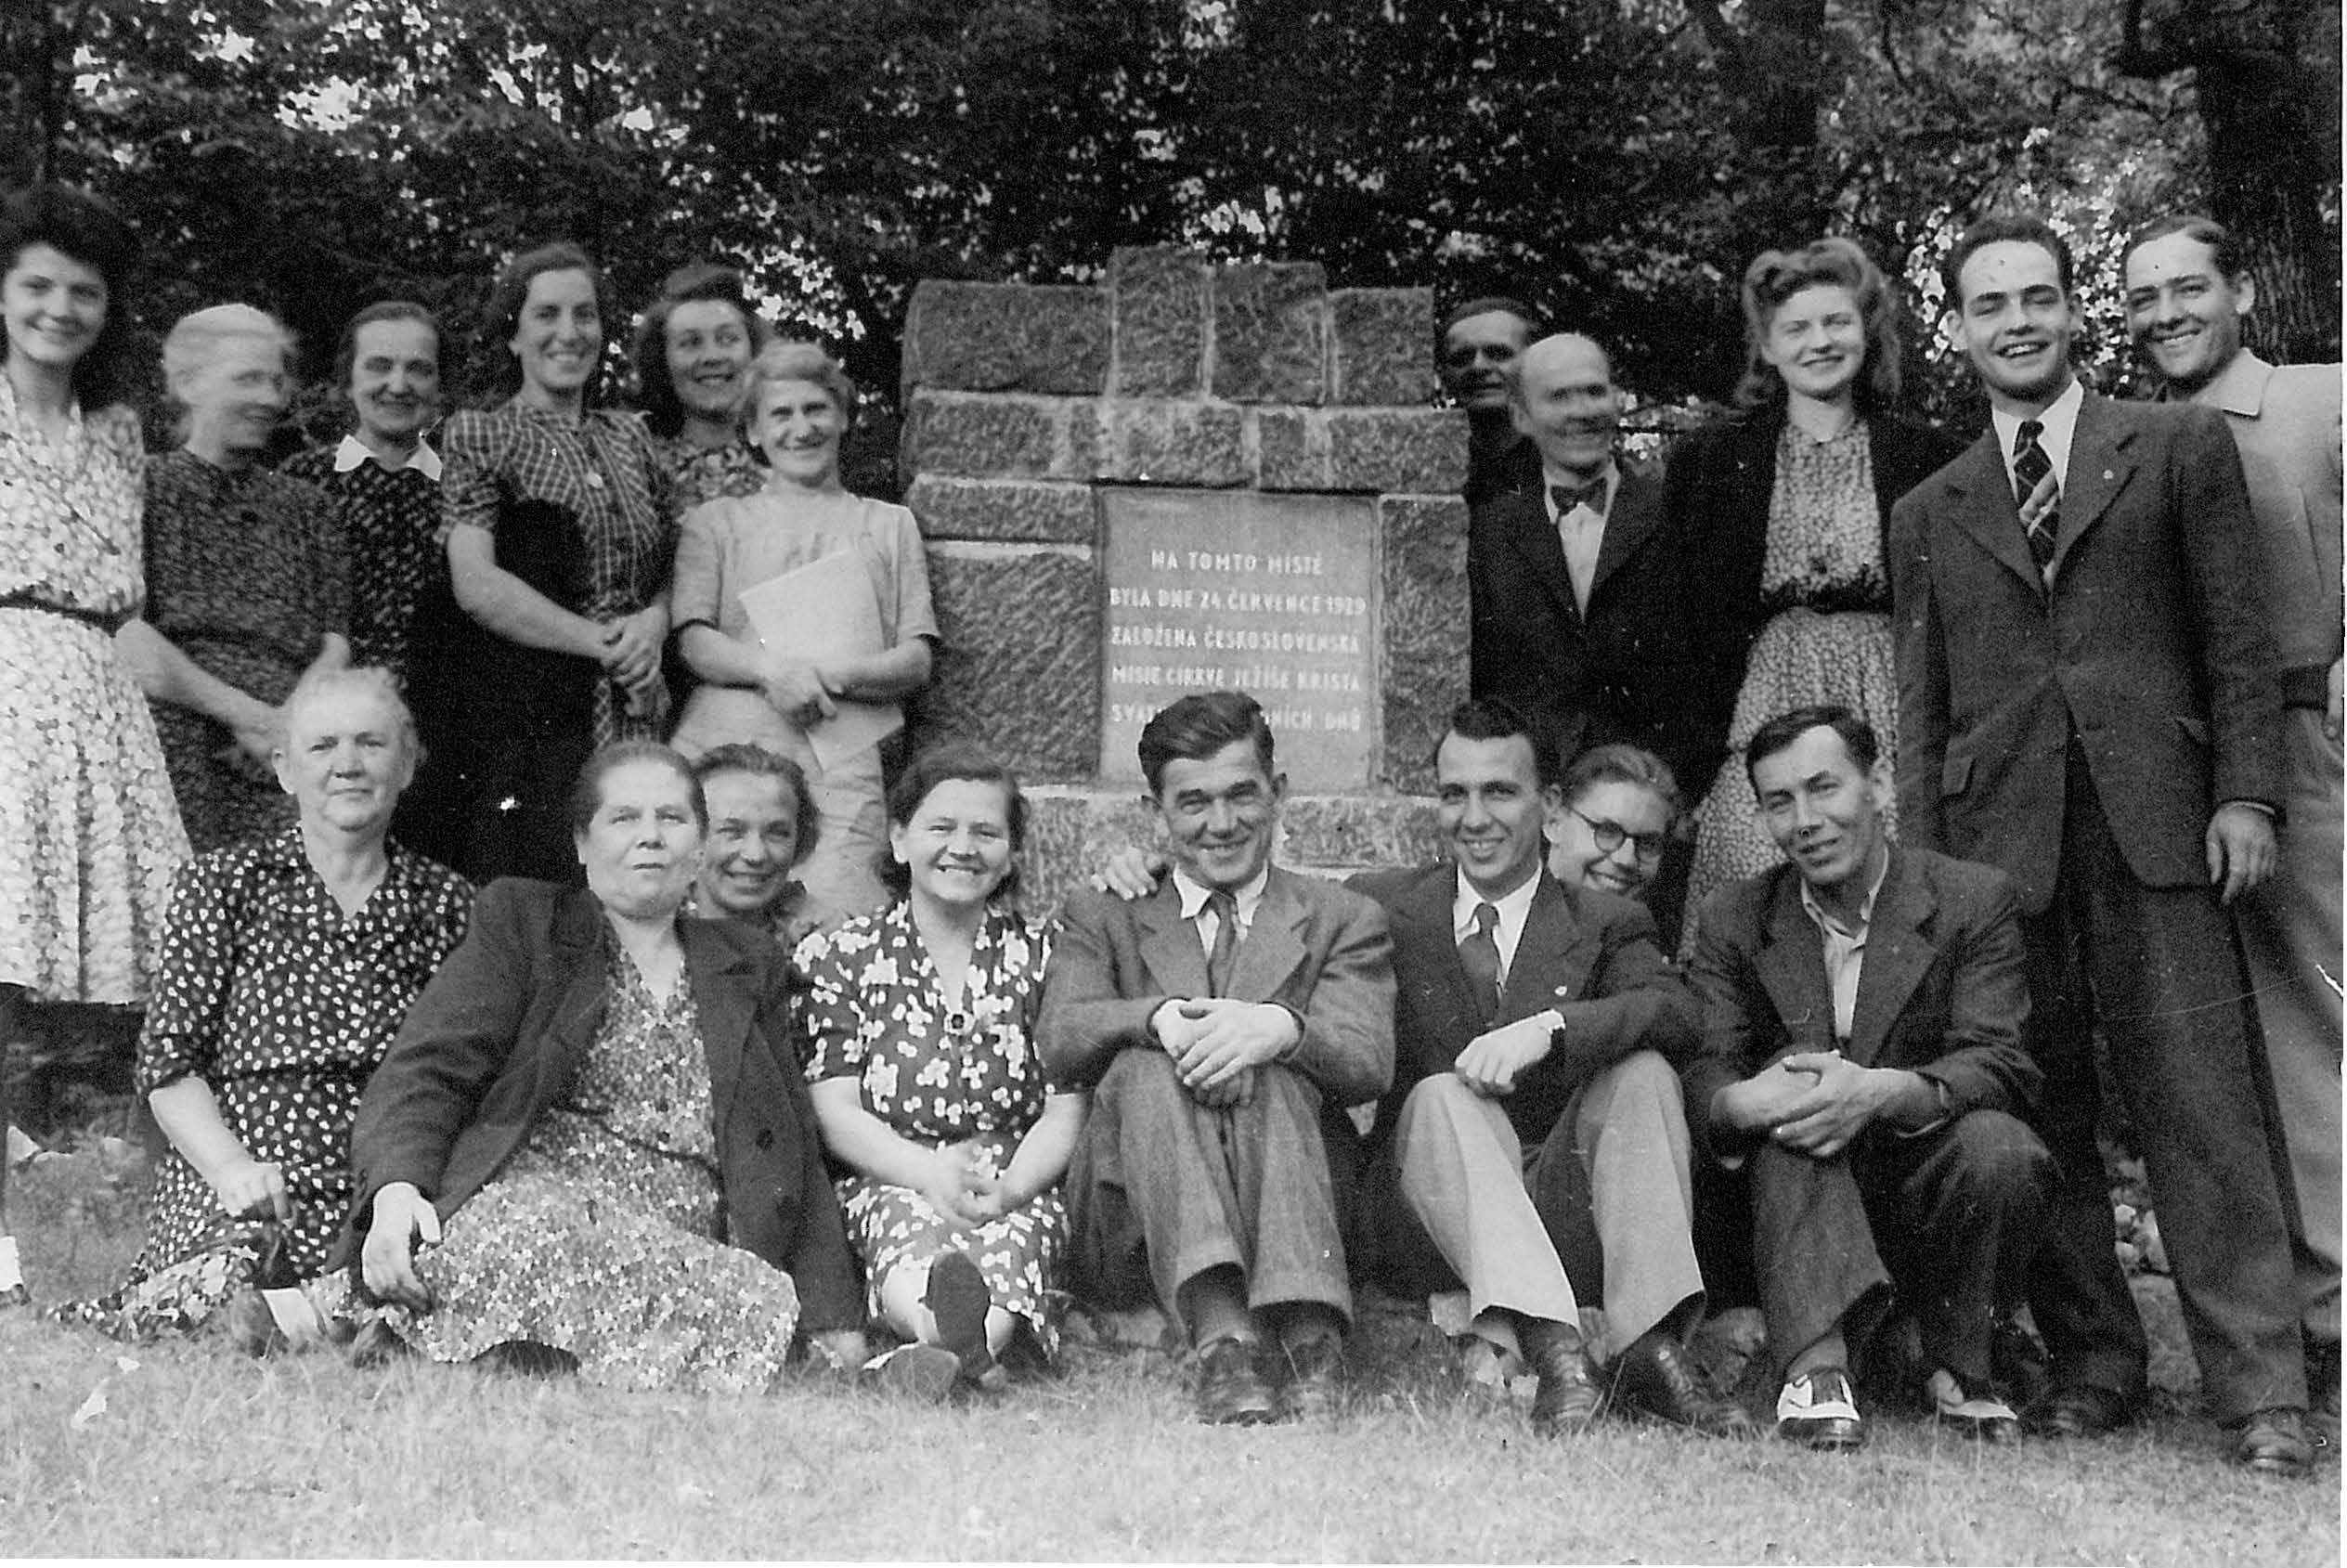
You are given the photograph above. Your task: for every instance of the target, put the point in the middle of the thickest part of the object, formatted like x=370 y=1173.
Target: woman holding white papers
x=807 y=611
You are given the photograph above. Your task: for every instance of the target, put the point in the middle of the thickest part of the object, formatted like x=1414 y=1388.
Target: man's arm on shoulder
x=1346 y=1046
x=1086 y=1016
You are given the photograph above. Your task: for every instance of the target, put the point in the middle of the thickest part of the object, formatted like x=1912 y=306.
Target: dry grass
x=199 y=1451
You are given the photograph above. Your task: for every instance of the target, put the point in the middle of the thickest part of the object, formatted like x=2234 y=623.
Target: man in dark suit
x=2087 y=702
x=1530 y=1016
x=1479 y=342
x=1861 y=1058
x=1222 y=1018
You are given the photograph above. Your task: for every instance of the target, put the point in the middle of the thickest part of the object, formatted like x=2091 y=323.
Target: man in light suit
x=2087 y=702
x=2188 y=296
x=1228 y=1019
x=1862 y=1061
x=1533 y=1016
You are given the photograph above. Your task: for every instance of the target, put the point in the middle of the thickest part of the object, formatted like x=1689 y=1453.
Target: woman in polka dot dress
x=919 y=1024
x=289 y=962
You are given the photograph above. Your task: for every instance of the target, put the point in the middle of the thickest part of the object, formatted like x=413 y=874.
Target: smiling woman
x=693 y=354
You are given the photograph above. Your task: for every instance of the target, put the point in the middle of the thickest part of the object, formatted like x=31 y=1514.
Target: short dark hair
x=77 y=224
x=1775 y=277
x=655 y=389
x=1496 y=719
x=2225 y=247
x=1194 y=728
x=347 y=352
x=1490 y=304
x=503 y=315
x=742 y=756
x=1997 y=229
x=1779 y=734
x=950 y=762
x=1620 y=762
x=587 y=794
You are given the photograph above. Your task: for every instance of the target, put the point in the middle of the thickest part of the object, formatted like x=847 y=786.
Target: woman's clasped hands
x=963 y=1187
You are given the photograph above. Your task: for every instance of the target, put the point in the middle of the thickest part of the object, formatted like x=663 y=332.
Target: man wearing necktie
x=1583 y=614
x=1228 y=1019
x=2088 y=703
x=1534 y=1137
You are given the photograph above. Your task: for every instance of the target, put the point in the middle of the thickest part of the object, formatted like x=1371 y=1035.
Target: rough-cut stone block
x=1160 y=297
x=1003 y=509
x=1019 y=669
x=1422 y=659
x=981 y=435
x=1071 y=830
x=1271 y=332
x=1159 y=442
x=1007 y=337
x=1291 y=448
x=1415 y=450
x=1382 y=350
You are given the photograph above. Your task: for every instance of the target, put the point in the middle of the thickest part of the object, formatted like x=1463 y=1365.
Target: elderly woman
x=693 y=353
x=595 y=1113
x=920 y=1032
x=290 y=961
x=560 y=534
x=90 y=838
x=800 y=404
x=248 y=577
x=1789 y=509
x=761 y=824
x=383 y=477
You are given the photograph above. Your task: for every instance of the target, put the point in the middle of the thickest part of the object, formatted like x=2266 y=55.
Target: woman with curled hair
x=288 y=965
x=762 y=824
x=89 y=835
x=1788 y=508
x=248 y=576
x=800 y=402
x=693 y=352
x=560 y=534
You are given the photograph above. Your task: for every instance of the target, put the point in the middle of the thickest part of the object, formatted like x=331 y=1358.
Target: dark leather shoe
x=2019 y=1365
x=1818 y=1410
x=958 y=1299
x=1230 y=1391
x=2079 y=1410
x=2274 y=1441
x=1314 y=1386
x=1655 y=1377
x=1566 y=1398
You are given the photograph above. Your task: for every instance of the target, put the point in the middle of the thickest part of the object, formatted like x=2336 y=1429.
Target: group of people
x=744 y=1048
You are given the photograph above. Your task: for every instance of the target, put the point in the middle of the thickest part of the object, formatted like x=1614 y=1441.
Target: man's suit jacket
x=1943 y=990
x=2151 y=640
x=495 y=1040
x=1593 y=957
x=1315 y=947
x=2286 y=420
x=1631 y=668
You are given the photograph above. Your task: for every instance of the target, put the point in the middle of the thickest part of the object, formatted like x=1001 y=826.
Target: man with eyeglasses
x=1534 y=1137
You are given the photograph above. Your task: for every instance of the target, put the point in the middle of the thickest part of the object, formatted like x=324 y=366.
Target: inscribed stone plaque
x=1273 y=595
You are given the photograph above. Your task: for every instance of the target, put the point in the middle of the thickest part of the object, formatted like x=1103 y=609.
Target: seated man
x=1861 y=1056
x=1533 y=1015
x=1222 y=1017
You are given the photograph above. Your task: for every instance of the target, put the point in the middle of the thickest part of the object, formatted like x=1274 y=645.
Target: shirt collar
x=1830 y=927
x=2060 y=419
x=1195 y=893
x=2239 y=388
x=354 y=453
x=1550 y=480
x=1512 y=907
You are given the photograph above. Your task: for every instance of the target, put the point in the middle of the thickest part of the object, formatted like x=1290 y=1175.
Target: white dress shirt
x=2060 y=420
x=1845 y=949
x=1581 y=531
x=1200 y=914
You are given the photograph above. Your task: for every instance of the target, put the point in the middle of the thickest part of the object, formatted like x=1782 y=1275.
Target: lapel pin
x=1563 y=989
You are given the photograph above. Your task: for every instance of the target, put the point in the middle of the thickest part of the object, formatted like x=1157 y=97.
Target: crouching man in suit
x=1535 y=1138
x=1862 y=1058
x=1227 y=1018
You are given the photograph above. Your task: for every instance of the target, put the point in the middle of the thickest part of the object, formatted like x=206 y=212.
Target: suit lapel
x=1636 y=513
x=1539 y=550
x=1898 y=956
x=1792 y=969
x=723 y=1004
x=2102 y=462
x=1168 y=943
x=1553 y=956
x=578 y=953
x=1983 y=507
x=1274 y=948
x=1422 y=925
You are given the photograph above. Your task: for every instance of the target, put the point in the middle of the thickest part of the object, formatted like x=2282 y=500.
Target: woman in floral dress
x=596 y=1114
x=1788 y=505
x=919 y=1022
x=89 y=835
x=290 y=961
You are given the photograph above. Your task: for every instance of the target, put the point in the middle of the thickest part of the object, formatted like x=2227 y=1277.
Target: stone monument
x=1187 y=477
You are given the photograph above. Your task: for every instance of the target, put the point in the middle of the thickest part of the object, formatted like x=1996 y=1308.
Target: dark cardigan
x=497 y=1038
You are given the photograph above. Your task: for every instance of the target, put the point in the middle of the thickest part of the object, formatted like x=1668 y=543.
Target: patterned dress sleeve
x=471 y=460
x=181 y=1036
x=830 y=1005
x=330 y=545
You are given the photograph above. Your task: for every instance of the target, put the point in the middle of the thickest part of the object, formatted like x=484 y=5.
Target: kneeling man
x=1861 y=1056
x=1223 y=1017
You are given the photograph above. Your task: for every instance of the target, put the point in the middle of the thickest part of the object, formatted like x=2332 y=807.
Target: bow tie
x=1591 y=495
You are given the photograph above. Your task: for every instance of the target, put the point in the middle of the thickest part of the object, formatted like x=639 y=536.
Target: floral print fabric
x=392 y=521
